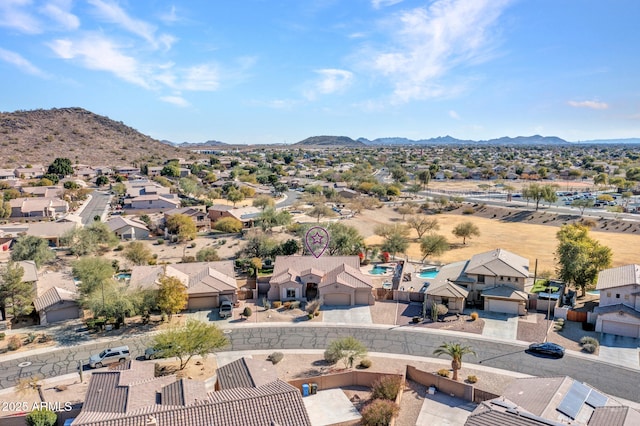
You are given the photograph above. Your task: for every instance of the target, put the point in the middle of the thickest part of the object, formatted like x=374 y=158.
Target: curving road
x=615 y=380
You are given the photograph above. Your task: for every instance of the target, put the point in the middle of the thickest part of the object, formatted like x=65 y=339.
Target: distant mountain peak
x=329 y=141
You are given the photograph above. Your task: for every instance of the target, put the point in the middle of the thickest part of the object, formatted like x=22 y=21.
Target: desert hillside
x=38 y=136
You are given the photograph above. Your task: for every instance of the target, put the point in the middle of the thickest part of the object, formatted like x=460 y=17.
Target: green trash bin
x=314 y=388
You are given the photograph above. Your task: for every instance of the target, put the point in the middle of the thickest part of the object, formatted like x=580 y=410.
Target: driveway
x=498 y=325
x=442 y=409
x=346 y=314
x=620 y=350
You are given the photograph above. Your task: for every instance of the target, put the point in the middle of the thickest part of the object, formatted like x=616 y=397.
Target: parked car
x=547 y=348
x=156 y=351
x=226 y=309
x=110 y=356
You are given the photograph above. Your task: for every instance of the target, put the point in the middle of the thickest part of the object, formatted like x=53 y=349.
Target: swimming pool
x=379 y=270
x=428 y=274
x=123 y=276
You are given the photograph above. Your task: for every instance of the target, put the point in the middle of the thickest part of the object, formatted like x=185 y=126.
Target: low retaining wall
x=443 y=384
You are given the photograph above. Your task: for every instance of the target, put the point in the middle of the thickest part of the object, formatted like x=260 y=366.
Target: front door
x=311 y=291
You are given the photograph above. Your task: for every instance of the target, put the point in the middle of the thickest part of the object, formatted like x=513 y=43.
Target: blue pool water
x=596 y=292
x=428 y=274
x=378 y=270
x=123 y=276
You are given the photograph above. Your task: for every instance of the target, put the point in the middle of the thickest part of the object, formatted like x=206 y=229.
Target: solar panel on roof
x=596 y=399
x=572 y=402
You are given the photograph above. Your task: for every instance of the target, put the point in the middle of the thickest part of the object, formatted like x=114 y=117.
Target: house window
x=291 y=292
x=508 y=278
x=480 y=278
x=617 y=295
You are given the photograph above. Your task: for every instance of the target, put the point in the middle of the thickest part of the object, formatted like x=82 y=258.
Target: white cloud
x=588 y=104
x=331 y=81
x=16 y=14
x=175 y=100
x=454 y=115
x=60 y=11
x=377 y=4
x=431 y=41
x=112 y=12
x=171 y=16
x=99 y=53
x=20 y=62
x=200 y=78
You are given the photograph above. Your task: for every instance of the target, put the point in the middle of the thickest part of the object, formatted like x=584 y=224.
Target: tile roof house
x=207 y=283
x=51 y=231
x=498 y=276
x=135 y=397
x=449 y=294
x=552 y=401
x=199 y=216
x=619 y=308
x=335 y=279
x=246 y=215
x=56 y=297
x=128 y=229
x=38 y=207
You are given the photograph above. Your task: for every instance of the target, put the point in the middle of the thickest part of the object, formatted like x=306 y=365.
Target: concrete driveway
x=498 y=325
x=346 y=314
x=442 y=409
x=620 y=350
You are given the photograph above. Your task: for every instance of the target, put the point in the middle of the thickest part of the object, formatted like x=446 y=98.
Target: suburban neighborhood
x=316 y=286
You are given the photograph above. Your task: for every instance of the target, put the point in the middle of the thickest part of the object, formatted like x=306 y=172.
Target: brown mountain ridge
x=39 y=136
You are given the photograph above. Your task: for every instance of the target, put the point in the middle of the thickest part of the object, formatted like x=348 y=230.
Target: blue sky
x=278 y=71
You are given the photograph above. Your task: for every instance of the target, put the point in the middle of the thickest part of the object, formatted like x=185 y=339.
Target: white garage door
x=504 y=306
x=620 y=328
x=337 y=299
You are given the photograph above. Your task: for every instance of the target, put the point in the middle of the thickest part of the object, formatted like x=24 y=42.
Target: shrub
x=310 y=316
x=379 y=413
x=247 y=312
x=386 y=387
x=468 y=210
x=365 y=363
x=2 y=336
x=277 y=304
x=443 y=372
x=44 y=338
x=589 y=347
x=266 y=303
x=286 y=305
x=474 y=316
x=160 y=241
x=228 y=225
x=416 y=320
x=295 y=305
x=275 y=357
x=14 y=343
x=588 y=340
x=31 y=337
x=331 y=356
x=313 y=306
x=41 y=417
x=120 y=247
x=472 y=379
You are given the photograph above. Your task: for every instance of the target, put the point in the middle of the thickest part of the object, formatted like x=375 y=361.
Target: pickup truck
x=226 y=309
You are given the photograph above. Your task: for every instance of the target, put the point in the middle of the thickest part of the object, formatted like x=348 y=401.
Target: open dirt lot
x=531 y=234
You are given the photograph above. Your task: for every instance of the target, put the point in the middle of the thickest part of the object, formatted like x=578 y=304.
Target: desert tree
x=195 y=338
x=29 y=247
x=433 y=245
x=14 y=291
x=579 y=257
x=348 y=350
x=138 y=253
x=172 y=295
x=466 y=230
x=422 y=224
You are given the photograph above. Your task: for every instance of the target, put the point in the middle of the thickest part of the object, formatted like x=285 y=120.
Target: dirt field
x=531 y=235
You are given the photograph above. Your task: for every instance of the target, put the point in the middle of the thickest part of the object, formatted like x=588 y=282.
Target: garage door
x=207 y=302
x=362 y=297
x=337 y=299
x=63 y=314
x=620 y=328
x=504 y=306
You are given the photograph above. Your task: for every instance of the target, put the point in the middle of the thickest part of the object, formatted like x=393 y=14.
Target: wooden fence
x=576 y=316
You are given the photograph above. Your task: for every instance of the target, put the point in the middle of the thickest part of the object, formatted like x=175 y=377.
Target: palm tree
x=456 y=352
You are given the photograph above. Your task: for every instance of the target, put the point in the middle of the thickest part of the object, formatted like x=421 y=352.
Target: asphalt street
x=613 y=379
x=96 y=206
